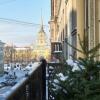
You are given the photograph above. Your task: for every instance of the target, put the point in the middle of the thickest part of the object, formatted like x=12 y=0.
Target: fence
x=29 y=88
x=53 y=68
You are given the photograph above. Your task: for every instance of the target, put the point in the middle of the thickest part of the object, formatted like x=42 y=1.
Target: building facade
x=1 y=58
x=72 y=17
x=23 y=55
x=13 y=54
x=9 y=52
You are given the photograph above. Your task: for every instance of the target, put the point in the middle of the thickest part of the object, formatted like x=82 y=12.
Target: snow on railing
x=27 y=87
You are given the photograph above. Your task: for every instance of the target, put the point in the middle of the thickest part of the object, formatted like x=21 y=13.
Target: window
x=74 y=43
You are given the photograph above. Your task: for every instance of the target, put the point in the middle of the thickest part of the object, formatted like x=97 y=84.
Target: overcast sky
x=26 y=11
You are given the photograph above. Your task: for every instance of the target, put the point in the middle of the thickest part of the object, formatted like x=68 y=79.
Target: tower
x=41 y=48
x=41 y=39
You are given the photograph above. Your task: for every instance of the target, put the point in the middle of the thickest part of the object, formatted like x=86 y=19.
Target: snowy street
x=9 y=82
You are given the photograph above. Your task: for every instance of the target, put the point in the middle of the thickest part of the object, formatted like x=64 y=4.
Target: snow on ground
x=15 y=76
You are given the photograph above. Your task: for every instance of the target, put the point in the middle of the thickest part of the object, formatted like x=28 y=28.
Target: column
x=91 y=21
x=80 y=23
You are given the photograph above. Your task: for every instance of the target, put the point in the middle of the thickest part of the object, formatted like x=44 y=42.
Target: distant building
x=41 y=48
x=1 y=57
x=8 y=53
x=13 y=54
x=23 y=54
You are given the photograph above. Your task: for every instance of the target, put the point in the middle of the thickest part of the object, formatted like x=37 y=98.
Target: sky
x=20 y=33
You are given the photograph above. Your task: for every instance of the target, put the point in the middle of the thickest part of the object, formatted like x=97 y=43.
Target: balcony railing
x=53 y=69
x=56 y=46
x=28 y=88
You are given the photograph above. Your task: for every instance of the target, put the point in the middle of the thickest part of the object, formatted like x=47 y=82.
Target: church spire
x=41 y=19
x=41 y=27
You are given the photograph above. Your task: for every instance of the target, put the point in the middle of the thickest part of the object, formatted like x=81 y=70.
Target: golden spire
x=41 y=28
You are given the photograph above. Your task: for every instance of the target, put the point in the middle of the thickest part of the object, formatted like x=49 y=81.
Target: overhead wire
x=17 y=21
x=20 y=22
x=6 y=2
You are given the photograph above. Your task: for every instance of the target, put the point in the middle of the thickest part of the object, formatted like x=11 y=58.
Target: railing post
x=53 y=69
x=35 y=85
x=43 y=65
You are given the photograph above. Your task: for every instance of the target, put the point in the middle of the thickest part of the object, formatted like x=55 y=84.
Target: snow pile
x=55 y=83
x=62 y=77
x=50 y=67
x=74 y=64
x=70 y=62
